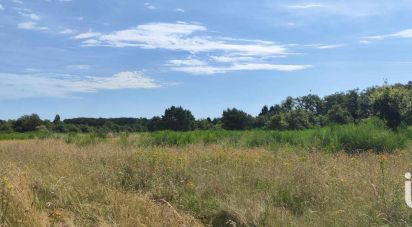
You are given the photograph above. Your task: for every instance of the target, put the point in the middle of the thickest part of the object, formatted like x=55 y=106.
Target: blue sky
x=129 y=58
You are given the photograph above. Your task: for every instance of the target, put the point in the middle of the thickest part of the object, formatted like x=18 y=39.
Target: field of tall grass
x=332 y=176
x=213 y=178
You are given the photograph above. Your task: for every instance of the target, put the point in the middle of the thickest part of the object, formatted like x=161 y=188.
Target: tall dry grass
x=50 y=182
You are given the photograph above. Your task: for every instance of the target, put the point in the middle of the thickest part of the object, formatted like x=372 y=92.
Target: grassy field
x=212 y=178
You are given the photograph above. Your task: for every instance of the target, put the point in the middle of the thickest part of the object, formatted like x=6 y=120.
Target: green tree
x=277 y=122
x=288 y=104
x=393 y=104
x=352 y=103
x=234 y=119
x=298 y=119
x=204 y=124
x=27 y=123
x=264 y=111
x=155 y=124
x=338 y=114
x=178 y=119
x=6 y=126
x=57 y=119
x=311 y=103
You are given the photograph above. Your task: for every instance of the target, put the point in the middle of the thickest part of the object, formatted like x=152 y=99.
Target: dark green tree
x=234 y=119
x=264 y=111
x=288 y=104
x=6 y=126
x=310 y=103
x=352 y=104
x=299 y=119
x=337 y=114
x=27 y=123
x=155 y=124
x=57 y=119
x=277 y=122
x=393 y=104
x=178 y=119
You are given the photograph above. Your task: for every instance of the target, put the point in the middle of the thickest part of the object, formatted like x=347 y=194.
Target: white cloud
x=31 y=16
x=315 y=9
x=78 y=67
x=91 y=43
x=149 y=6
x=87 y=35
x=271 y=67
x=405 y=34
x=1 y=7
x=376 y=37
x=17 y=2
x=186 y=62
x=307 y=6
x=364 y=41
x=29 y=85
x=325 y=46
x=182 y=36
x=220 y=54
x=31 y=70
x=208 y=70
x=231 y=59
x=200 y=70
x=179 y=10
x=79 y=18
x=67 y=31
x=31 y=26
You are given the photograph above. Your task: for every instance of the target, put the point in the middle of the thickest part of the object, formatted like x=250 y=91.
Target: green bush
x=370 y=134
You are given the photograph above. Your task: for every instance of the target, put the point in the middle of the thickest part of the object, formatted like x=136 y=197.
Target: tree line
x=391 y=103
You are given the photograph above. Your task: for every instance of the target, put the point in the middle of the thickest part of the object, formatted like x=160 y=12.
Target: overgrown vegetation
x=370 y=135
x=112 y=183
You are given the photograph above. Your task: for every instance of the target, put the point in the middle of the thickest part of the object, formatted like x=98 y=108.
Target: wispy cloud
x=180 y=10
x=307 y=6
x=186 y=62
x=37 y=85
x=78 y=67
x=227 y=54
x=405 y=34
x=202 y=68
x=87 y=35
x=31 y=26
x=180 y=36
x=67 y=31
x=31 y=16
x=17 y=2
x=1 y=7
x=150 y=6
x=325 y=46
x=231 y=59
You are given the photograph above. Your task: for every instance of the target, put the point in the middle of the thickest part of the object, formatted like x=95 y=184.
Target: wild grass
x=369 y=135
x=352 y=138
x=25 y=136
x=113 y=183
